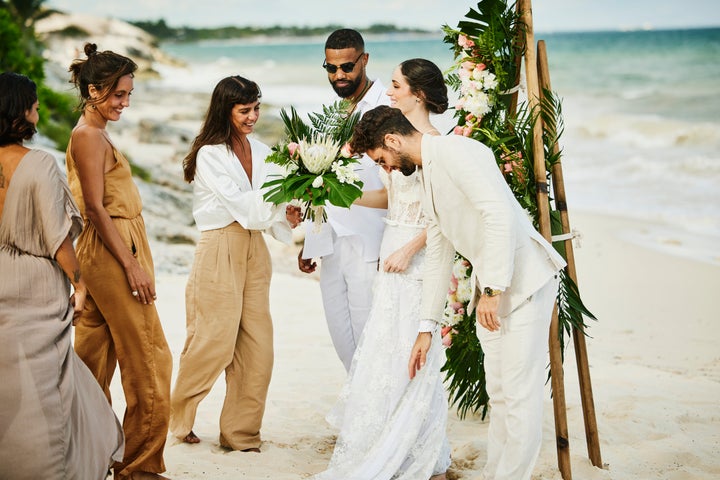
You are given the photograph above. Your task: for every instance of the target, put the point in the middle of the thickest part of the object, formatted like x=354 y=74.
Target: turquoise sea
x=641 y=111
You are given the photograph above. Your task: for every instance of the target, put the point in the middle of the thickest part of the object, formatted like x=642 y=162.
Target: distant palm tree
x=27 y=12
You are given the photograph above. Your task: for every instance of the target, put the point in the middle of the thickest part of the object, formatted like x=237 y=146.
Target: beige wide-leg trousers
x=228 y=328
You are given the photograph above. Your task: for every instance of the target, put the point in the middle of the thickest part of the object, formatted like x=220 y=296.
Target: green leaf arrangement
x=493 y=35
x=317 y=169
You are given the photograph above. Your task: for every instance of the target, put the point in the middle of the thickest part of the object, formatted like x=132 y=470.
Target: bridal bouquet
x=317 y=161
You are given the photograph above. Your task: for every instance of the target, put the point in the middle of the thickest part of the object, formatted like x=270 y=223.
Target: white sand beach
x=653 y=357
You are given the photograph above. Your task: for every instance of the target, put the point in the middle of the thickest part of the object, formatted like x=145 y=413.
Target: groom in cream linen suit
x=471 y=210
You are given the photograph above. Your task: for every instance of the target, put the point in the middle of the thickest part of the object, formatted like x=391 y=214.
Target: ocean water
x=641 y=112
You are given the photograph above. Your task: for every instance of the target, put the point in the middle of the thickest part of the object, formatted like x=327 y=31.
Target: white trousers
x=515 y=360
x=346 y=282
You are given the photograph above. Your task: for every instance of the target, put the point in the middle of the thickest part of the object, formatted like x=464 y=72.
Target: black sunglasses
x=345 y=67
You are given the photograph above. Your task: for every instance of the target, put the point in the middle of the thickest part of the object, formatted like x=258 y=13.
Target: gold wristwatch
x=490 y=292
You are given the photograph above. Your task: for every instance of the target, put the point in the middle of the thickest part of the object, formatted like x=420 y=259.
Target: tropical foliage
x=488 y=45
x=21 y=52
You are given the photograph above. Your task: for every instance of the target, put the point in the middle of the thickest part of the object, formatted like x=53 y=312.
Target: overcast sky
x=548 y=15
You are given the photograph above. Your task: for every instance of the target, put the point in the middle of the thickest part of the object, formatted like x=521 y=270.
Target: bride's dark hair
x=426 y=81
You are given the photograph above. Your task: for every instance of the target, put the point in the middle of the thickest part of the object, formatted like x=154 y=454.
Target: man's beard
x=407 y=167
x=345 y=92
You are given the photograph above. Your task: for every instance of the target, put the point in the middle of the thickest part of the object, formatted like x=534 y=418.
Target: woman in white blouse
x=229 y=327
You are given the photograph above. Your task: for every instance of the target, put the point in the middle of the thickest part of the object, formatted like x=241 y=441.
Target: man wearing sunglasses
x=349 y=243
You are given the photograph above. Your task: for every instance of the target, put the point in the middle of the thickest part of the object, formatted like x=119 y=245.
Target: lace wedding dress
x=392 y=427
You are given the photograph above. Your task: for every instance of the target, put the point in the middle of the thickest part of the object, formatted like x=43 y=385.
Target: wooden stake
x=581 y=359
x=556 y=367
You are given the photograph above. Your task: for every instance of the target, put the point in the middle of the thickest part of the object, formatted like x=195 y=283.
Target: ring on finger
x=134 y=293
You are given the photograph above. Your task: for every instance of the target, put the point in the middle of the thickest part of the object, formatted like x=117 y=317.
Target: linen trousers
x=115 y=328
x=346 y=282
x=515 y=360
x=229 y=329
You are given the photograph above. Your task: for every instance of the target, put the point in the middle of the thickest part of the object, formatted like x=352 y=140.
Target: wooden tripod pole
x=581 y=359
x=556 y=366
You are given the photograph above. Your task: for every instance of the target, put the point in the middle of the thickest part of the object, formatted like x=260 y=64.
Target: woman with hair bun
x=119 y=324
x=392 y=426
x=55 y=422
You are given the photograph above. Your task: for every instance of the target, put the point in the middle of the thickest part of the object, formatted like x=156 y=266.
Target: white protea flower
x=345 y=173
x=318 y=154
x=318 y=182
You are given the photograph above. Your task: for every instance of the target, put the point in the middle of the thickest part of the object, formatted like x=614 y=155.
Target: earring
x=417 y=100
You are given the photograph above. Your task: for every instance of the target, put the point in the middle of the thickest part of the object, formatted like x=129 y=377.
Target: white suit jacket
x=364 y=222
x=471 y=210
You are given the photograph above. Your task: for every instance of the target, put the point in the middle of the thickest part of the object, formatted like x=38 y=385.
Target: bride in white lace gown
x=392 y=427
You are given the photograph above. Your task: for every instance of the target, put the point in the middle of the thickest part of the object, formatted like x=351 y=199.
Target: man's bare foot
x=191 y=438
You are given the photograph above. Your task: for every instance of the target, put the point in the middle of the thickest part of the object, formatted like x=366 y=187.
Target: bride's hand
x=418 y=354
x=398 y=261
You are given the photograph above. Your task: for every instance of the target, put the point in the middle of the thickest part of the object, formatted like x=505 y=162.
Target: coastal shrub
x=73 y=31
x=17 y=47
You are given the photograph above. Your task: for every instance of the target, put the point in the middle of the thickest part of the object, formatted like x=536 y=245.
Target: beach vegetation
x=21 y=52
x=164 y=32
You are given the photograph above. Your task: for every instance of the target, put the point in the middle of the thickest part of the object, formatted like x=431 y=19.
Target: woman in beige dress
x=119 y=324
x=55 y=422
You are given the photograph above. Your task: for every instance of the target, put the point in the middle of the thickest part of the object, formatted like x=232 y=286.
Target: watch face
x=488 y=291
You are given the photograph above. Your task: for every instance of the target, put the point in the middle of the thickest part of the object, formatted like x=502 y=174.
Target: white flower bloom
x=460 y=269
x=345 y=173
x=477 y=104
x=318 y=154
x=290 y=168
x=318 y=182
x=464 y=290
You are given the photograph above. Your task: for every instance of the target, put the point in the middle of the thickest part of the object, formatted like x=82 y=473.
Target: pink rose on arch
x=468 y=65
x=480 y=67
x=465 y=42
x=292 y=148
x=446 y=335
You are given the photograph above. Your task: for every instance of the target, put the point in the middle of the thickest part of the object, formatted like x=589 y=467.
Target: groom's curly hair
x=370 y=131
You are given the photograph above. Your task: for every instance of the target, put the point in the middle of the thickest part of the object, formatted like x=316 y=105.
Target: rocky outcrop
x=66 y=34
